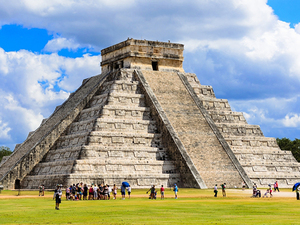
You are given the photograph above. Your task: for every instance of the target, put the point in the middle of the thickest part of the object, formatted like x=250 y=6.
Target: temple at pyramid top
x=144 y=55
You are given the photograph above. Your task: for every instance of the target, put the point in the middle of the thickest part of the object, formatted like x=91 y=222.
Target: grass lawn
x=193 y=206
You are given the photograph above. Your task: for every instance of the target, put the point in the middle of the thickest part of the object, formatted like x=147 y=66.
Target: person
x=78 y=190
x=276 y=186
x=268 y=191
x=175 y=191
x=40 y=190
x=152 y=192
x=95 y=192
x=101 y=192
x=109 y=191
x=115 y=191
x=129 y=191
x=162 y=192
x=216 y=190
x=67 y=193
x=105 y=192
x=73 y=190
x=243 y=186
x=223 y=189
x=298 y=192
x=254 y=188
x=123 y=189
x=57 y=195
x=258 y=194
x=85 y=191
x=91 y=193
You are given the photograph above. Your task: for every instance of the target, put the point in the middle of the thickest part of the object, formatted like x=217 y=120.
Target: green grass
x=193 y=207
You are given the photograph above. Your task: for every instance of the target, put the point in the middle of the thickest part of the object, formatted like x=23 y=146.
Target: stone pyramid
x=145 y=121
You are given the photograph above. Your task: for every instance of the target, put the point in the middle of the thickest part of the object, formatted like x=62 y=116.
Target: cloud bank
x=239 y=47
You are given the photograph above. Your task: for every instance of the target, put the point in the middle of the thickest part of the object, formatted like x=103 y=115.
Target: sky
x=247 y=50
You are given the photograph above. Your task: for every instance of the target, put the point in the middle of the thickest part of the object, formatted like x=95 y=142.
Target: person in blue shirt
x=175 y=190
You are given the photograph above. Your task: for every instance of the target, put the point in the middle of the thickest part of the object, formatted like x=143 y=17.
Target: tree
x=4 y=151
x=293 y=146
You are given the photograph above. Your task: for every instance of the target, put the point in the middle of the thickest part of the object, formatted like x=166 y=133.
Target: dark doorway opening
x=155 y=66
x=17 y=184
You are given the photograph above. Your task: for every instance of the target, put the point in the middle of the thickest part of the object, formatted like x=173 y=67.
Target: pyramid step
x=131 y=125
x=121 y=148
x=124 y=112
x=73 y=140
x=132 y=99
x=273 y=164
x=122 y=86
x=109 y=138
x=204 y=91
x=283 y=181
x=251 y=141
x=260 y=157
x=258 y=149
x=98 y=100
x=216 y=104
x=91 y=112
x=286 y=161
x=273 y=175
x=69 y=152
x=117 y=166
x=227 y=117
x=237 y=129
x=82 y=126
x=124 y=167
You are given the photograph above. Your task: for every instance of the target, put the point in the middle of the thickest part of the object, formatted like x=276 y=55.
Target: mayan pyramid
x=145 y=121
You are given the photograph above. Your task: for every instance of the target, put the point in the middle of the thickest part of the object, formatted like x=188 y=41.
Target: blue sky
x=247 y=50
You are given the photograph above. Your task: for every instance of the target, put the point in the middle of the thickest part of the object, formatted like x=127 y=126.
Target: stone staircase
x=197 y=137
x=113 y=139
x=260 y=156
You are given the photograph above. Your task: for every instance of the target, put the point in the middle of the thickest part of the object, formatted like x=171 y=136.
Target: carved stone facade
x=145 y=121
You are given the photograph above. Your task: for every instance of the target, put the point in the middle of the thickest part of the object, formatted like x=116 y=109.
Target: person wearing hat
x=57 y=195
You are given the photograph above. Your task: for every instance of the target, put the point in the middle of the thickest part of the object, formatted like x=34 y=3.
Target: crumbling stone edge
x=189 y=163
x=216 y=131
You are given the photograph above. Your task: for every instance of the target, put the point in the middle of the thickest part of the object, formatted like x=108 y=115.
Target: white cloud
x=291 y=120
x=237 y=46
x=4 y=129
x=33 y=85
x=57 y=44
x=297 y=28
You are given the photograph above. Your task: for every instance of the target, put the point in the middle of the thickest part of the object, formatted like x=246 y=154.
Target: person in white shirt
x=129 y=191
x=216 y=190
x=95 y=192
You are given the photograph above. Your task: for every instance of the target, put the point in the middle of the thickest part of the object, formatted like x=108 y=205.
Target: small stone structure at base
x=145 y=121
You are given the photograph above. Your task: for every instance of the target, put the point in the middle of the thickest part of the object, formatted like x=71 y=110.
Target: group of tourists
x=256 y=192
x=82 y=191
x=153 y=192
x=223 y=186
x=268 y=193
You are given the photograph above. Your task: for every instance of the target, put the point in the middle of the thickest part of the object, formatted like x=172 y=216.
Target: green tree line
x=4 y=151
x=293 y=146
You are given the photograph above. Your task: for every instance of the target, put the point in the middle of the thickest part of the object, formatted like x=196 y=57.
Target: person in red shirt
x=162 y=192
